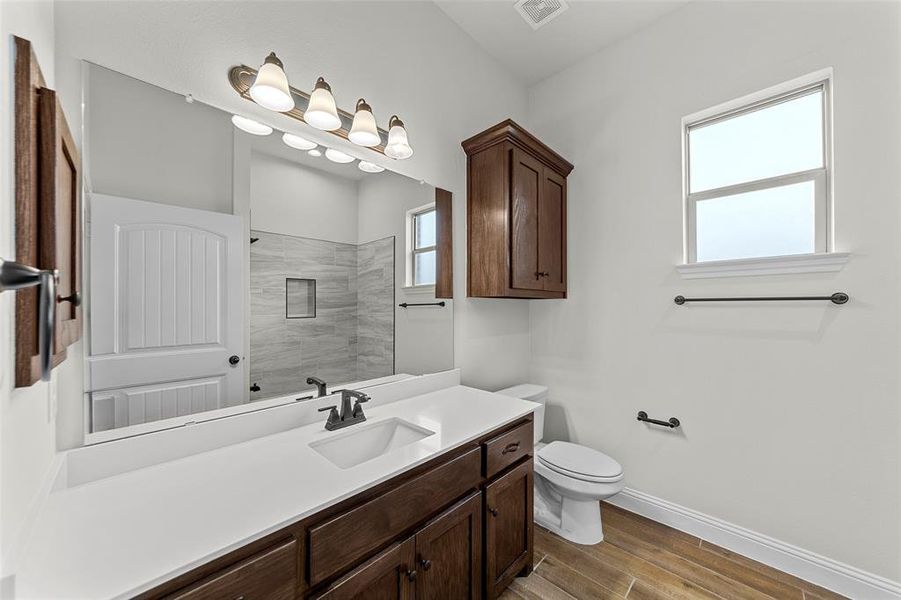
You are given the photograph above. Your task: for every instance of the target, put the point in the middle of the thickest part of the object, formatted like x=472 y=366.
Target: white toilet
x=570 y=480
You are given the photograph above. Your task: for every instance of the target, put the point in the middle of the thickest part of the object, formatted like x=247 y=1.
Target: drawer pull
x=426 y=564
x=511 y=448
x=241 y=597
x=493 y=512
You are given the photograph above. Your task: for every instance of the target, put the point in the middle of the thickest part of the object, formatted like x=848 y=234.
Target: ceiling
x=533 y=55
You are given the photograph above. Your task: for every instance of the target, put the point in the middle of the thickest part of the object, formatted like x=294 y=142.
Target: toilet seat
x=580 y=462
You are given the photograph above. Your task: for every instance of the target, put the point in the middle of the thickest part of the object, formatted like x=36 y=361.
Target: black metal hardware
x=408 y=304
x=349 y=414
x=254 y=387
x=540 y=274
x=253 y=240
x=425 y=564
x=74 y=298
x=672 y=423
x=320 y=385
x=16 y=276
x=303 y=398
x=513 y=447
x=836 y=298
x=493 y=512
x=411 y=575
x=234 y=359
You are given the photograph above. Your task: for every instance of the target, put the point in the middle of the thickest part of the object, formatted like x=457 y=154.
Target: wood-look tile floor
x=641 y=559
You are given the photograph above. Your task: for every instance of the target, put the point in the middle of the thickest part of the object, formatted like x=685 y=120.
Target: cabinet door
x=449 y=554
x=387 y=576
x=552 y=232
x=527 y=176
x=508 y=528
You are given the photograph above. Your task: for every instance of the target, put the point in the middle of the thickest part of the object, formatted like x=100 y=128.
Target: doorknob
x=234 y=359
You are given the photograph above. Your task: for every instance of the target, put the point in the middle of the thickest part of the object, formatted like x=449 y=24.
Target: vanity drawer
x=507 y=448
x=350 y=537
x=269 y=575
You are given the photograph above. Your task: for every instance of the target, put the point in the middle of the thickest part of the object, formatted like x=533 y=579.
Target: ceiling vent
x=539 y=13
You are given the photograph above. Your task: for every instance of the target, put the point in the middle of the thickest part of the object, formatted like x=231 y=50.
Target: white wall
x=189 y=46
x=27 y=415
x=291 y=199
x=147 y=143
x=424 y=337
x=790 y=413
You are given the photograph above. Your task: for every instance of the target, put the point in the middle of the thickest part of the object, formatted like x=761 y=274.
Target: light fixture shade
x=369 y=167
x=297 y=142
x=270 y=88
x=397 y=147
x=315 y=152
x=364 y=131
x=250 y=126
x=321 y=112
x=338 y=156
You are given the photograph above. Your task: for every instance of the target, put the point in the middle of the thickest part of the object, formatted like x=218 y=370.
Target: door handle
x=512 y=447
x=234 y=359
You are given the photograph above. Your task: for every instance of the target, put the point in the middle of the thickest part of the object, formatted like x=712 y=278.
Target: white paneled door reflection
x=165 y=311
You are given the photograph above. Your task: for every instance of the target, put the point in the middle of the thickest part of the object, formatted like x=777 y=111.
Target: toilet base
x=576 y=520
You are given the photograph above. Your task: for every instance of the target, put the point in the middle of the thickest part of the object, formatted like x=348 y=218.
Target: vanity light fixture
x=270 y=89
x=315 y=152
x=322 y=113
x=369 y=167
x=297 y=142
x=364 y=131
x=338 y=156
x=398 y=146
x=250 y=126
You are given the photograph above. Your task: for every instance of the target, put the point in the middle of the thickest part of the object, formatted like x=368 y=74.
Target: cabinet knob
x=74 y=298
x=411 y=575
x=493 y=512
x=425 y=564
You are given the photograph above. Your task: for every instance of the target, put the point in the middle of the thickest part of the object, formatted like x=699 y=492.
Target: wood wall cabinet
x=457 y=528
x=516 y=215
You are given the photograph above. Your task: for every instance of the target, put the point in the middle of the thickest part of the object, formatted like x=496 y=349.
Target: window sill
x=419 y=289
x=828 y=262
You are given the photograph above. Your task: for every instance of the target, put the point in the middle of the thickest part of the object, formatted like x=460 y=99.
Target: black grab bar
x=672 y=423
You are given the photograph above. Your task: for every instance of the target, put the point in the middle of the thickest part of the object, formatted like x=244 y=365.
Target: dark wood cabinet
x=458 y=527
x=449 y=554
x=508 y=528
x=516 y=217
x=389 y=575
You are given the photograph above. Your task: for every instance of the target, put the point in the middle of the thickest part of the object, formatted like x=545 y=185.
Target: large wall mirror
x=228 y=271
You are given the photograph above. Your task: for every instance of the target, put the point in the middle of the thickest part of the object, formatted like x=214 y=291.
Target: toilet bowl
x=570 y=479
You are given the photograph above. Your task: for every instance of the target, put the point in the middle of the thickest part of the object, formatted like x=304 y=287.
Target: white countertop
x=120 y=536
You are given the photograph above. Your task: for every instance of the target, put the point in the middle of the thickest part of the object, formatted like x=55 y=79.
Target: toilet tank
x=534 y=393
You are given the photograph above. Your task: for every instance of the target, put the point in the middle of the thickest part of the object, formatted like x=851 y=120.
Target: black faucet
x=348 y=415
x=320 y=386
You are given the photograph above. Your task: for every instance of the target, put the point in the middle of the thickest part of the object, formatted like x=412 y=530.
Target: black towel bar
x=408 y=304
x=836 y=298
x=672 y=423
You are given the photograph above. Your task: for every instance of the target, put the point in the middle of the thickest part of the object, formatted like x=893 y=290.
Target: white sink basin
x=366 y=441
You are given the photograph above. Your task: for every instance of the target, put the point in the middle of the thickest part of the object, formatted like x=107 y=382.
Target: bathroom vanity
x=431 y=497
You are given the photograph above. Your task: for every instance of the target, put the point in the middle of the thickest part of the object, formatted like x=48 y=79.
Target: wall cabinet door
x=449 y=554
x=508 y=528
x=552 y=232
x=527 y=177
x=387 y=576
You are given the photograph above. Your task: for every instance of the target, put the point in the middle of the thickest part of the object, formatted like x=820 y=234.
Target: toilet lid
x=580 y=462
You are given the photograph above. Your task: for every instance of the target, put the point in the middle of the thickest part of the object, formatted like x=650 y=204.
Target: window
x=422 y=246
x=757 y=176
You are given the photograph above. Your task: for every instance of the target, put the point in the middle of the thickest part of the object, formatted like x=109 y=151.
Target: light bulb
x=297 y=142
x=338 y=156
x=369 y=167
x=270 y=88
x=250 y=126
x=321 y=112
x=397 y=147
x=364 y=131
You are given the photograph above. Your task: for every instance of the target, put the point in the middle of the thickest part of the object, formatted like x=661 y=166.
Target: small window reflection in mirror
x=300 y=298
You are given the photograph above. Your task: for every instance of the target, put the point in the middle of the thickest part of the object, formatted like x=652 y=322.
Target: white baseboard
x=824 y=572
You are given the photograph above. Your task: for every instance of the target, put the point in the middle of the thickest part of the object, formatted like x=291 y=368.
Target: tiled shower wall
x=352 y=335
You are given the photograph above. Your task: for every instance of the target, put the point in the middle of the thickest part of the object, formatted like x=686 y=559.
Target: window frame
x=821 y=176
x=413 y=250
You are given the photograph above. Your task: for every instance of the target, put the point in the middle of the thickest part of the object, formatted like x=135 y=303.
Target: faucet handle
x=358 y=410
x=333 y=416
